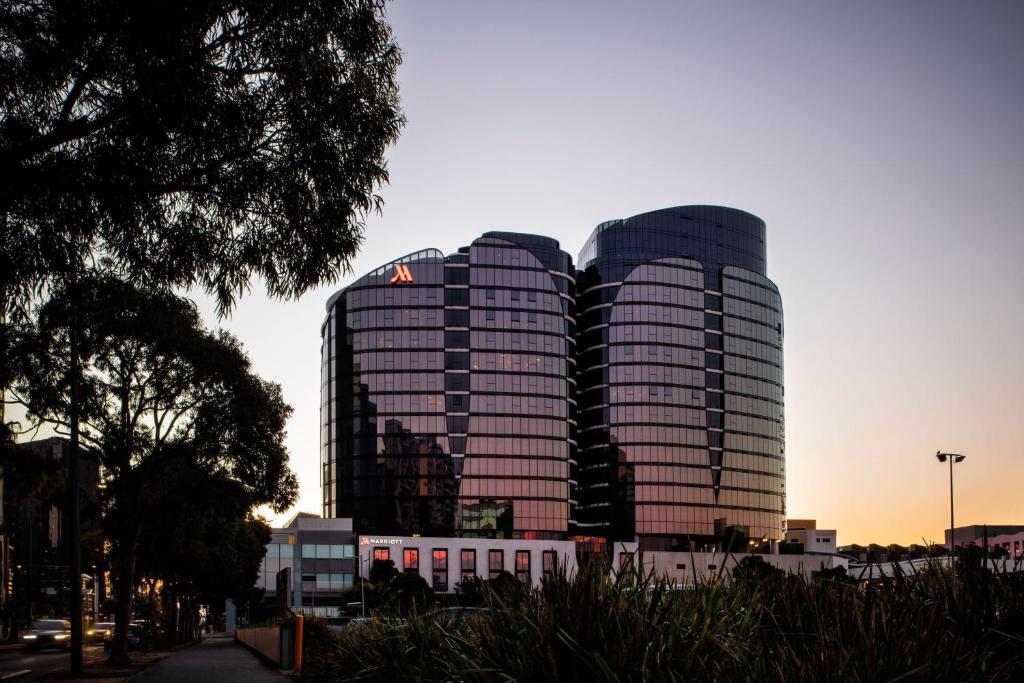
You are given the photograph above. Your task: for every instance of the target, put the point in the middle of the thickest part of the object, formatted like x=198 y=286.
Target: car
x=136 y=635
x=47 y=633
x=99 y=630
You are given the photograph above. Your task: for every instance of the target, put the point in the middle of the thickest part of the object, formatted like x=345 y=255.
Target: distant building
x=320 y=555
x=804 y=536
x=975 y=533
x=36 y=517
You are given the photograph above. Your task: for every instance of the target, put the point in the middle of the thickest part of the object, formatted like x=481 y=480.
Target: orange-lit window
x=382 y=554
x=411 y=559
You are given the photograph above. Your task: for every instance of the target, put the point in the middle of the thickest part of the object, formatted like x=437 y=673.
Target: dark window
x=715 y=400
x=457 y=403
x=495 y=563
x=523 y=565
x=549 y=560
x=531 y=296
x=440 y=561
x=456 y=318
x=490 y=295
x=712 y=341
x=456 y=381
x=713 y=360
x=468 y=562
x=458 y=424
x=712 y=321
x=411 y=559
x=713 y=302
x=515 y=295
x=715 y=420
x=490 y=314
x=713 y=380
x=382 y=554
x=515 y=316
x=715 y=439
x=531 y=317
x=456 y=339
x=456 y=360
x=456 y=297
x=456 y=276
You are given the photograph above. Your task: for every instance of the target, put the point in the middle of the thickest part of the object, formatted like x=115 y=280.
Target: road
x=44 y=663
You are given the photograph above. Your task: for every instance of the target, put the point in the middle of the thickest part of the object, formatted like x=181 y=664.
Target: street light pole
x=951 y=457
x=362 y=586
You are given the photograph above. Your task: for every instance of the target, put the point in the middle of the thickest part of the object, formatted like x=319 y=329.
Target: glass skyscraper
x=448 y=393
x=450 y=388
x=680 y=371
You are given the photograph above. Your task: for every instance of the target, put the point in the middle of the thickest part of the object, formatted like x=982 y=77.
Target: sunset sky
x=881 y=142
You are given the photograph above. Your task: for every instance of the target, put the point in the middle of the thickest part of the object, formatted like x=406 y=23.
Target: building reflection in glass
x=681 y=427
x=448 y=393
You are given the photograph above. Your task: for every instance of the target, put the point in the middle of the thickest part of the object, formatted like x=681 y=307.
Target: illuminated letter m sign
x=402 y=274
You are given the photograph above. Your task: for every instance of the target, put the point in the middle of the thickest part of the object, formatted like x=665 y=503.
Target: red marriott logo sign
x=402 y=274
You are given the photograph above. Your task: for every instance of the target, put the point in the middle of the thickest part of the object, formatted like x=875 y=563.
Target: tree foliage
x=191 y=143
x=163 y=400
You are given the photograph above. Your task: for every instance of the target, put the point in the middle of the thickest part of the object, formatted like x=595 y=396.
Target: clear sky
x=882 y=143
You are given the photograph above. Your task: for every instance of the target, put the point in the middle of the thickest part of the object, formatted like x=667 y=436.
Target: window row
x=515 y=488
x=327 y=551
x=643 y=313
x=659 y=294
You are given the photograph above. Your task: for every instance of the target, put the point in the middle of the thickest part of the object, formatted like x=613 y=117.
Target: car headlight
x=61 y=636
x=90 y=632
x=29 y=637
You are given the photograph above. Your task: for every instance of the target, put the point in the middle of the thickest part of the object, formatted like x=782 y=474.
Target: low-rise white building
x=815 y=541
x=688 y=568
x=445 y=562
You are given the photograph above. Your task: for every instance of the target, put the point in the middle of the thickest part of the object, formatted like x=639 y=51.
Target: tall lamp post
x=952 y=458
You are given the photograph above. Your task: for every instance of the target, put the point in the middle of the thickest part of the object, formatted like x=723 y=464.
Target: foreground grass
x=592 y=628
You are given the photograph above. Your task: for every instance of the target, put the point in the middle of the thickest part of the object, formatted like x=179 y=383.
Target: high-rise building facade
x=450 y=388
x=681 y=440
x=448 y=393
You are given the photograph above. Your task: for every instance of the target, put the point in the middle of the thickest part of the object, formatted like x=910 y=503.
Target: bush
x=592 y=627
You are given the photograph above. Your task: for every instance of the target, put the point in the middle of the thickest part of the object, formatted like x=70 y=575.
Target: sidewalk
x=218 y=659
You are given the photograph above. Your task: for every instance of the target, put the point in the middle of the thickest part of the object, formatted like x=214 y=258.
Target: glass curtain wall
x=681 y=419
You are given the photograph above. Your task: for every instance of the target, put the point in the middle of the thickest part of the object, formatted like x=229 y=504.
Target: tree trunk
x=75 y=541
x=126 y=551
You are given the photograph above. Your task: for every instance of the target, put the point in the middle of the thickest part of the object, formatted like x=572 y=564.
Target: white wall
x=566 y=553
x=684 y=567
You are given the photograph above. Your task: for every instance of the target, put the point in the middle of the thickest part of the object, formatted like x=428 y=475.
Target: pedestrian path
x=217 y=660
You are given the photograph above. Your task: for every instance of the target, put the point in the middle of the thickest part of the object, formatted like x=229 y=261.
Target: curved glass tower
x=448 y=393
x=681 y=441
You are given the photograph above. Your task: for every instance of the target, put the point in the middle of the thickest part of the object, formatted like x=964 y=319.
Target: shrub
x=592 y=627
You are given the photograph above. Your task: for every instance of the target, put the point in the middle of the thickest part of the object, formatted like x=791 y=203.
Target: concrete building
x=809 y=539
x=687 y=568
x=975 y=533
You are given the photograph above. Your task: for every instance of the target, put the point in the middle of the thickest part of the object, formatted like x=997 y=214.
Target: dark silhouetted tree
x=191 y=143
x=156 y=387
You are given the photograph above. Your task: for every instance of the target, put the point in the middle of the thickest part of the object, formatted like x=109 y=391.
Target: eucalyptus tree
x=157 y=391
x=187 y=144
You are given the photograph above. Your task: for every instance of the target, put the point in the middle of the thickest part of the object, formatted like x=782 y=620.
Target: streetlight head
x=959 y=458
x=941 y=456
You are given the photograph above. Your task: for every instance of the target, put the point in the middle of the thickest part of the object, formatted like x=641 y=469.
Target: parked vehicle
x=47 y=633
